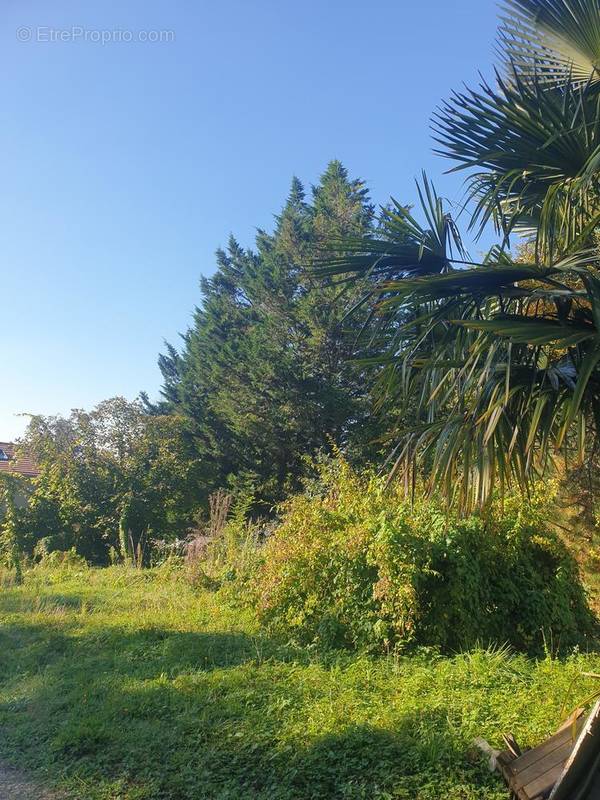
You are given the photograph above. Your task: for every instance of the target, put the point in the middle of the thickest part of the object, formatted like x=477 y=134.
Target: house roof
x=21 y=463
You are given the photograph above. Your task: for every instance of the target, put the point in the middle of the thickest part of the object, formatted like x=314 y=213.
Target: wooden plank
x=584 y=760
x=539 y=768
x=543 y=784
x=503 y=762
x=566 y=766
x=554 y=742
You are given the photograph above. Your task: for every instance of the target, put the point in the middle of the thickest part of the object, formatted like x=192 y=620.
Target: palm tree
x=497 y=363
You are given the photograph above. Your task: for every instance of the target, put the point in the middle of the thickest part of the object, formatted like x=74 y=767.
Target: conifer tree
x=264 y=370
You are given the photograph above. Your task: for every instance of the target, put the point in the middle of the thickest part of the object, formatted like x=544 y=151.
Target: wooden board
x=582 y=768
x=535 y=773
x=543 y=773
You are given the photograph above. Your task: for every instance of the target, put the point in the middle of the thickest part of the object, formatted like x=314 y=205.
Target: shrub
x=358 y=565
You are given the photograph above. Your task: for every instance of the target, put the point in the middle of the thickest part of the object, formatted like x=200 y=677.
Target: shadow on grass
x=224 y=741
x=142 y=653
x=156 y=714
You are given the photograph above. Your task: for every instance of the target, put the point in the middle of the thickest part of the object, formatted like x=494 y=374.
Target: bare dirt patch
x=15 y=785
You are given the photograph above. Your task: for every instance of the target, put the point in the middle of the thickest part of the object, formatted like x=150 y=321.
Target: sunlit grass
x=131 y=685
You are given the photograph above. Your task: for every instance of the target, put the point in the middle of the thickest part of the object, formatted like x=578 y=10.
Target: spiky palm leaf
x=536 y=155
x=552 y=40
x=499 y=381
x=402 y=245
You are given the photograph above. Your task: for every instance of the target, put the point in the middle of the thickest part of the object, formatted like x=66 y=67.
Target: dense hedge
x=356 y=565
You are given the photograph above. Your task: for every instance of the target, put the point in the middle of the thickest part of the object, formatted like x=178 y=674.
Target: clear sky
x=126 y=163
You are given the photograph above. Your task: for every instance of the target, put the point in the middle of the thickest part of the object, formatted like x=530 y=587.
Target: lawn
x=132 y=685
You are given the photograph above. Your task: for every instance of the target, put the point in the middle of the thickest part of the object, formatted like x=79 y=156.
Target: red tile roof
x=21 y=463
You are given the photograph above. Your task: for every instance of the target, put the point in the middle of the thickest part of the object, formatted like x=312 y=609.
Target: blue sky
x=125 y=164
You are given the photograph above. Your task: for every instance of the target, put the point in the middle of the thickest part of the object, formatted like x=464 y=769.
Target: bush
x=356 y=565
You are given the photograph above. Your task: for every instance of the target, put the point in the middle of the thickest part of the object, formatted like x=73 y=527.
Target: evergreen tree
x=264 y=370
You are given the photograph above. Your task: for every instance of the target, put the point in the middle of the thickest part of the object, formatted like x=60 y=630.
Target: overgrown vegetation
x=112 y=482
x=125 y=684
x=361 y=565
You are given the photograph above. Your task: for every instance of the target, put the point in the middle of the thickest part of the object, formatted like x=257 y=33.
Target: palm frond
x=489 y=367
x=532 y=331
x=536 y=155
x=402 y=246
x=551 y=40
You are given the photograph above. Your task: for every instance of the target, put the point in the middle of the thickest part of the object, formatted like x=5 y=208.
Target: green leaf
x=531 y=331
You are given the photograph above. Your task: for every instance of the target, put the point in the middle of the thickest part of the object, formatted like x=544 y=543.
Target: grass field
x=131 y=685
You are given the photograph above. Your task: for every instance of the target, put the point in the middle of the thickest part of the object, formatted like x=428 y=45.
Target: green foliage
x=12 y=527
x=360 y=565
x=553 y=39
x=61 y=561
x=264 y=373
x=488 y=367
x=115 y=477
x=535 y=153
x=129 y=684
